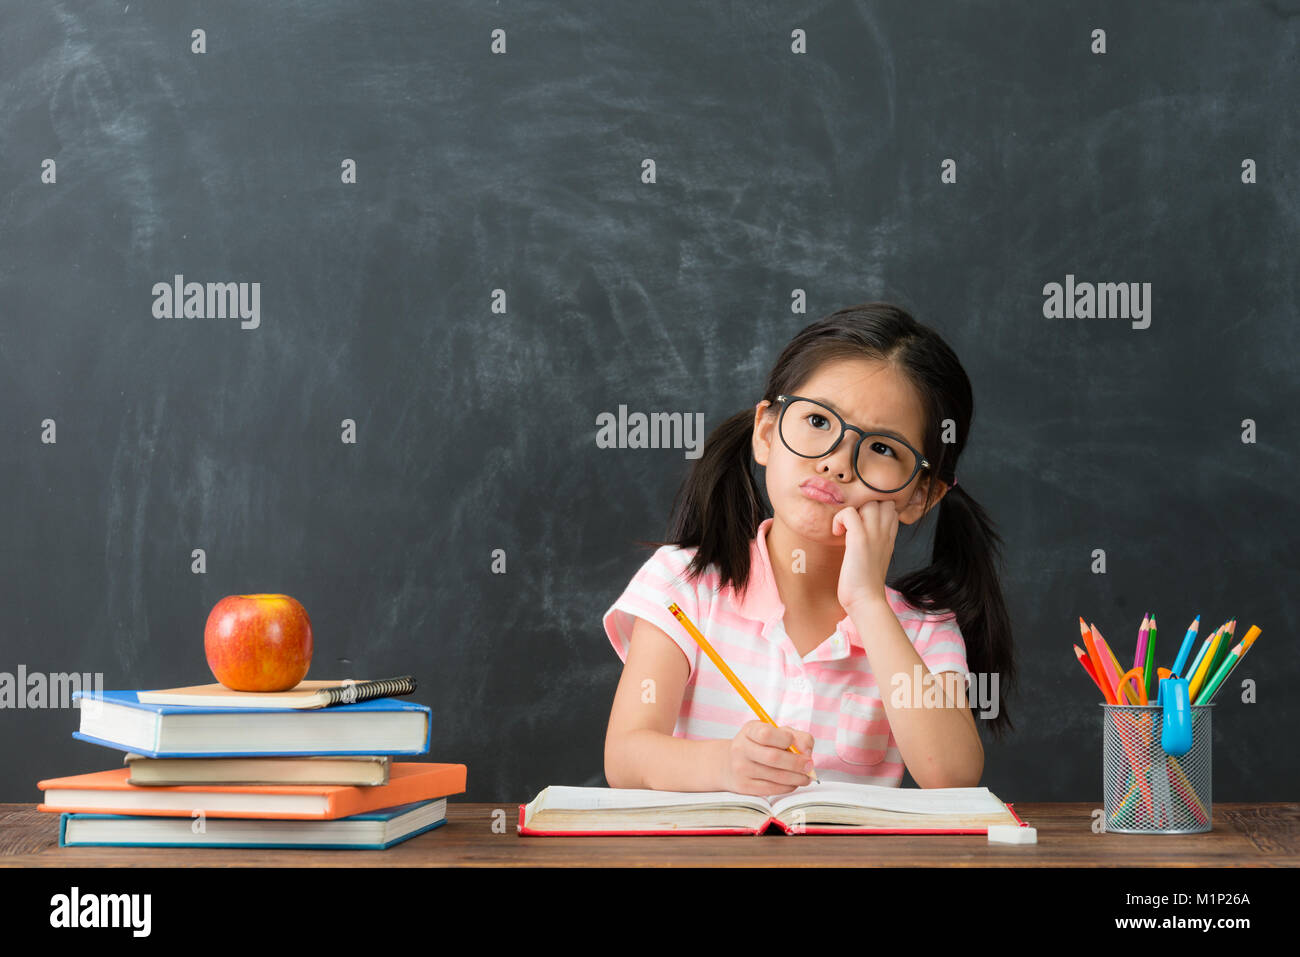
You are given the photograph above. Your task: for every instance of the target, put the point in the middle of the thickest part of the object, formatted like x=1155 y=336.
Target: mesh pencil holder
x=1148 y=790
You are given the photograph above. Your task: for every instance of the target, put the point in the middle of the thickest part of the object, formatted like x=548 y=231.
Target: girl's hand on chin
x=868 y=547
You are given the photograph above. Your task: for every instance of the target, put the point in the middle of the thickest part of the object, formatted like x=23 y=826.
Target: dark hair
x=719 y=506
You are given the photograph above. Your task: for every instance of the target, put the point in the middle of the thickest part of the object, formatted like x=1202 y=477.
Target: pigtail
x=962 y=577
x=718 y=507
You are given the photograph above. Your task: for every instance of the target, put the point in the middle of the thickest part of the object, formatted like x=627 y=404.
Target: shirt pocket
x=862 y=733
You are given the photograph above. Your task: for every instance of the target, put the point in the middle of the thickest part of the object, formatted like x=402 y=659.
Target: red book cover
x=532 y=832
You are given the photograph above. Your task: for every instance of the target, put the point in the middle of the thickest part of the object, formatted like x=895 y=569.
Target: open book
x=825 y=808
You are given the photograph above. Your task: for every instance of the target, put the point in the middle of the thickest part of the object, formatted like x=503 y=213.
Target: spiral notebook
x=304 y=695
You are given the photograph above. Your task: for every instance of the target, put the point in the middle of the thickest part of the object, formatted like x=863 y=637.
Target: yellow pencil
x=1203 y=669
x=728 y=673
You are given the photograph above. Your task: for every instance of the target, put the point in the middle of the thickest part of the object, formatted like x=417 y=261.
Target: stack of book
x=209 y=767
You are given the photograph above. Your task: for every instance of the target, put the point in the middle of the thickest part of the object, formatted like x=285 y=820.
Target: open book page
x=949 y=801
x=833 y=804
x=560 y=797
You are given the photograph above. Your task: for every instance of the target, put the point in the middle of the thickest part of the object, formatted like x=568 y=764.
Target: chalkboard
x=460 y=233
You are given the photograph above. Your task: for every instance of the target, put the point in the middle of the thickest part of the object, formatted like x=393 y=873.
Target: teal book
x=373 y=830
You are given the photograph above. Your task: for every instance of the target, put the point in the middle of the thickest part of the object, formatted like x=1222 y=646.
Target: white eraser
x=1012 y=834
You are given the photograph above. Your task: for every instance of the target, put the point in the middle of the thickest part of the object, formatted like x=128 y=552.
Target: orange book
x=109 y=792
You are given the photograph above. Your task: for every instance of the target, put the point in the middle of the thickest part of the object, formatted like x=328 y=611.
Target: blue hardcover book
x=117 y=719
x=373 y=830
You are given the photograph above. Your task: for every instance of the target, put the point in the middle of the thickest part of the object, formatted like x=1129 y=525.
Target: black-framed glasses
x=885 y=463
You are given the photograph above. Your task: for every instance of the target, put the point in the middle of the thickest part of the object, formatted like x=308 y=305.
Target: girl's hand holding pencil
x=741 y=754
x=758 y=762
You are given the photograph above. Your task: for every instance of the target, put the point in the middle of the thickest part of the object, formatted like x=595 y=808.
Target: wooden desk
x=1244 y=835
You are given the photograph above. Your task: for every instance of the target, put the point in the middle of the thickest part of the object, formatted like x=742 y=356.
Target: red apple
x=258 y=642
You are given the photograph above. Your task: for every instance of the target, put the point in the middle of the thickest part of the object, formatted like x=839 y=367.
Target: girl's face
x=868 y=394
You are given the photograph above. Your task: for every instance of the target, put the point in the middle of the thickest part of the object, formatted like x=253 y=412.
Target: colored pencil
x=1094 y=654
x=1229 y=663
x=1122 y=695
x=1185 y=648
x=1200 y=653
x=1140 y=656
x=1224 y=647
x=1087 y=666
x=1149 y=671
x=1194 y=687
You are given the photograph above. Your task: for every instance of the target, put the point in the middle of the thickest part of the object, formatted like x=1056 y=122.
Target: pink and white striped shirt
x=831 y=692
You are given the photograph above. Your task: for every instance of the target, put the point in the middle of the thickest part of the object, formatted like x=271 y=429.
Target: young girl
x=860 y=428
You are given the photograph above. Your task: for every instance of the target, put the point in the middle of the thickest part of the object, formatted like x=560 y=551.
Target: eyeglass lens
x=810 y=429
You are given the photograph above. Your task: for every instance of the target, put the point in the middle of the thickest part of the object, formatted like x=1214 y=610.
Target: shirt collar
x=761 y=600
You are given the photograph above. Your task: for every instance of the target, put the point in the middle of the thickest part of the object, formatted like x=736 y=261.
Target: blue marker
x=1176 y=730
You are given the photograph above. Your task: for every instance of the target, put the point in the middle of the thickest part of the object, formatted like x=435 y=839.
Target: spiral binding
x=365 y=690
